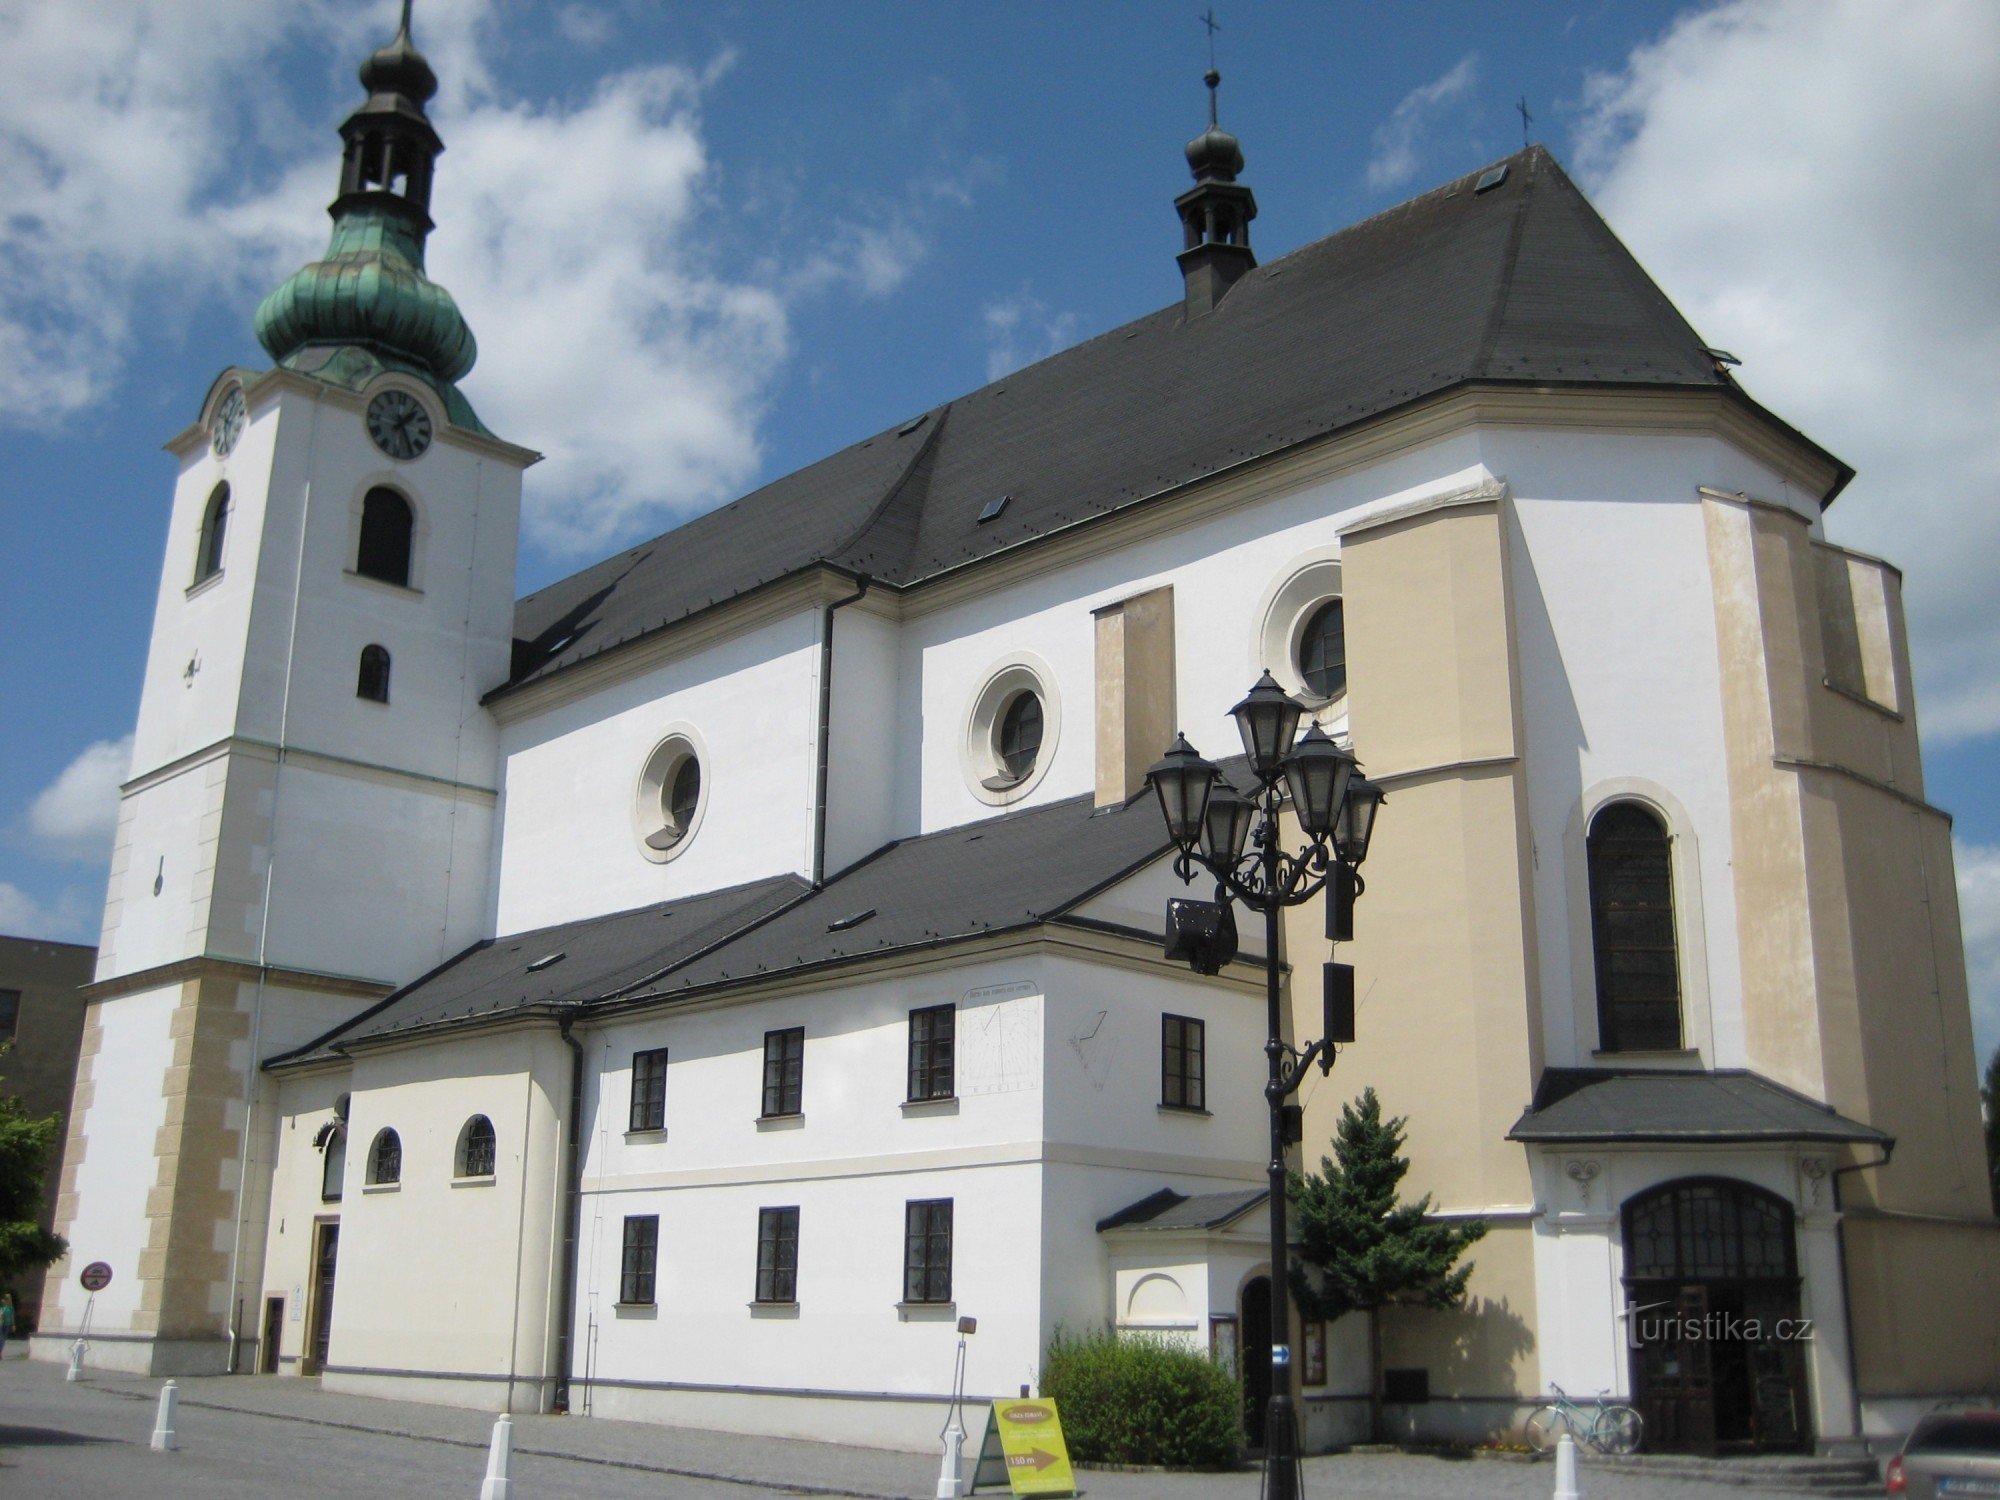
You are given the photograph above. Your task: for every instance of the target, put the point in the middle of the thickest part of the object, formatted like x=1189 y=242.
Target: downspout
x=1846 y=1296
x=820 y=772
x=256 y=1039
x=572 y=1217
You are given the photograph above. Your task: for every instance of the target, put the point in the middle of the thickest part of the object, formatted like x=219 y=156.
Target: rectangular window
x=642 y=1249
x=784 y=1070
x=10 y=1014
x=933 y=1032
x=777 y=1255
x=649 y=1090
x=1181 y=1063
x=927 y=1251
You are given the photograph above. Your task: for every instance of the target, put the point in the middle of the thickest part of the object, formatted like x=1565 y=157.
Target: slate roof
x=1595 y=1104
x=1004 y=874
x=1168 y=1209
x=1523 y=283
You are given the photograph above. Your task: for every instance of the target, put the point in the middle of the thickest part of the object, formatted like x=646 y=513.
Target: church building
x=684 y=992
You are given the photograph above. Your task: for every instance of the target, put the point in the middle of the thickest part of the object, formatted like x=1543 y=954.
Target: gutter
x=821 y=771
x=572 y=1192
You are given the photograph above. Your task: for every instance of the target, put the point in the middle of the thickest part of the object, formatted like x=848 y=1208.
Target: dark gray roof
x=1594 y=1104
x=1168 y=1209
x=1523 y=283
x=1006 y=873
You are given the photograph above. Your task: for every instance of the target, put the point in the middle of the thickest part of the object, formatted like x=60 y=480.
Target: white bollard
x=75 y=1372
x=499 y=1459
x=163 y=1424
x=951 y=1474
x=1566 y=1482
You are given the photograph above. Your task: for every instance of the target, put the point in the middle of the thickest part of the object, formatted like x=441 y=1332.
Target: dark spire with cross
x=1526 y=118
x=1215 y=212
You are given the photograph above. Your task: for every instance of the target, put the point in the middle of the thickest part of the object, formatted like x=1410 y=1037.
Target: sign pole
x=94 y=1278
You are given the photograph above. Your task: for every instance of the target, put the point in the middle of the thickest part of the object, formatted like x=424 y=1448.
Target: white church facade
x=684 y=992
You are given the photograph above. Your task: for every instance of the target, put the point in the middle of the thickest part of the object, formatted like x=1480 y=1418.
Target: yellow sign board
x=1031 y=1444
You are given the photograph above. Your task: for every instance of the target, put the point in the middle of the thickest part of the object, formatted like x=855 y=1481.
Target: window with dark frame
x=1018 y=737
x=385 y=1159
x=933 y=1040
x=333 y=1170
x=1323 y=650
x=777 y=1255
x=784 y=1071
x=927 y=1250
x=1182 y=1064
x=387 y=524
x=649 y=1090
x=214 y=526
x=1632 y=931
x=372 y=681
x=641 y=1258
x=477 y=1148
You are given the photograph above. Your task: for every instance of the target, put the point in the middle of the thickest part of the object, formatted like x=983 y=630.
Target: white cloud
x=582 y=238
x=1817 y=191
x=1021 y=329
x=585 y=25
x=1979 y=914
x=68 y=918
x=73 y=817
x=1400 y=138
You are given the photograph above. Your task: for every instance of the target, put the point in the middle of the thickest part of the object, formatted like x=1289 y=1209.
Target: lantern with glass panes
x=1237 y=839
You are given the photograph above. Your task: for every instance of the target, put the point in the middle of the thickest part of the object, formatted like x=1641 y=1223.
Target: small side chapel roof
x=1582 y=1105
x=1004 y=874
x=1521 y=284
x=1168 y=1209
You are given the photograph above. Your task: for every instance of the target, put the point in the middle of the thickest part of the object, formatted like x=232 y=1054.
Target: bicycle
x=1611 y=1428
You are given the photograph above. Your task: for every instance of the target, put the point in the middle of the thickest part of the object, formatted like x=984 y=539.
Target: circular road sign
x=96 y=1276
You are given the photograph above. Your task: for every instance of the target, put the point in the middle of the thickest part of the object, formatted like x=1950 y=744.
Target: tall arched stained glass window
x=1632 y=931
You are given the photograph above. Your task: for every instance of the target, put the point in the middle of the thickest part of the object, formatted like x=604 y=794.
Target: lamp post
x=1236 y=839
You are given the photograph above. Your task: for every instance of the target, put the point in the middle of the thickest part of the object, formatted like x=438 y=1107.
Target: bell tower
x=1215 y=213
x=309 y=817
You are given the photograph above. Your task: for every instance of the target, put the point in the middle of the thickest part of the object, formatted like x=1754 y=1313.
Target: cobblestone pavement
x=260 y=1437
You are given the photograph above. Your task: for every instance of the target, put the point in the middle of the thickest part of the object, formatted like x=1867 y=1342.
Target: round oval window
x=1322 y=650
x=1018 y=736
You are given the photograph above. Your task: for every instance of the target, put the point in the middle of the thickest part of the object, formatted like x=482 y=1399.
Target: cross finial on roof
x=1212 y=78
x=1525 y=119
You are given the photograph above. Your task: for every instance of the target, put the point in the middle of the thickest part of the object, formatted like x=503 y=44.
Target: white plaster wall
x=442 y=1275
x=116 y=1170
x=568 y=847
x=1140 y=900
x=863 y=753
x=162 y=832
x=1620 y=681
x=1218 y=568
x=303 y=1104
x=379 y=879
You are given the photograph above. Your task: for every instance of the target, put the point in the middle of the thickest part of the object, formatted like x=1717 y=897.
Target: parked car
x=1948 y=1455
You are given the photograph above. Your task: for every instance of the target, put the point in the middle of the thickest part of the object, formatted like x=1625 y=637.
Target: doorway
x=1712 y=1296
x=1255 y=1343
x=319 y=1327
x=274 y=1330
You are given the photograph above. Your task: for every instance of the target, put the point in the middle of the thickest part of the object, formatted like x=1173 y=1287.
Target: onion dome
x=1215 y=155
x=1215 y=214
x=369 y=291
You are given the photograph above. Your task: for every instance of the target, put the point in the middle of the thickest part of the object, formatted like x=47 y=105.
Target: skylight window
x=913 y=424
x=854 y=921
x=992 y=509
x=548 y=961
x=1491 y=178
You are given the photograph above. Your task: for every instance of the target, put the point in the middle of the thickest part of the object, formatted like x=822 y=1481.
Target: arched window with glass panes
x=1632 y=930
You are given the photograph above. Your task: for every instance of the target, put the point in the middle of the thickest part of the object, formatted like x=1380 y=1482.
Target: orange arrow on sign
x=1040 y=1458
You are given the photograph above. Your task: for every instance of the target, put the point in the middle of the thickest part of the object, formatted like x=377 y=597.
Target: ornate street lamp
x=1236 y=839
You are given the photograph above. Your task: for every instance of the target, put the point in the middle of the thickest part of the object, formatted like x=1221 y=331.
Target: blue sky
x=702 y=245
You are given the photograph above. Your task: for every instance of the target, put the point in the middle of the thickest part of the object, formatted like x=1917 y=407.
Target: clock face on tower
x=399 y=424
x=228 y=424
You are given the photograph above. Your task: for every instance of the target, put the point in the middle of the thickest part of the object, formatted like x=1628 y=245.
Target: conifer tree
x=1366 y=1249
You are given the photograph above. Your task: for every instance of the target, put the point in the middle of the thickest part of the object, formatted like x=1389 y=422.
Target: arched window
x=1709 y=1229
x=476 y=1148
x=214 y=523
x=373 y=681
x=386 y=526
x=385 y=1158
x=333 y=1170
x=1632 y=931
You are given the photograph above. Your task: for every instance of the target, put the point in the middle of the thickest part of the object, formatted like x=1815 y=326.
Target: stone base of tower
x=143 y=1354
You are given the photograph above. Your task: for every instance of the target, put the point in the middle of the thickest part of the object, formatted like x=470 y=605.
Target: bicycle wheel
x=1616 y=1430
x=1547 y=1427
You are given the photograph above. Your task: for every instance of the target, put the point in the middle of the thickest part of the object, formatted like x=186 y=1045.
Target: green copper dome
x=369 y=289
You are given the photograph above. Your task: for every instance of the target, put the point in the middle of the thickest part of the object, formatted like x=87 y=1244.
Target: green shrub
x=1142 y=1400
